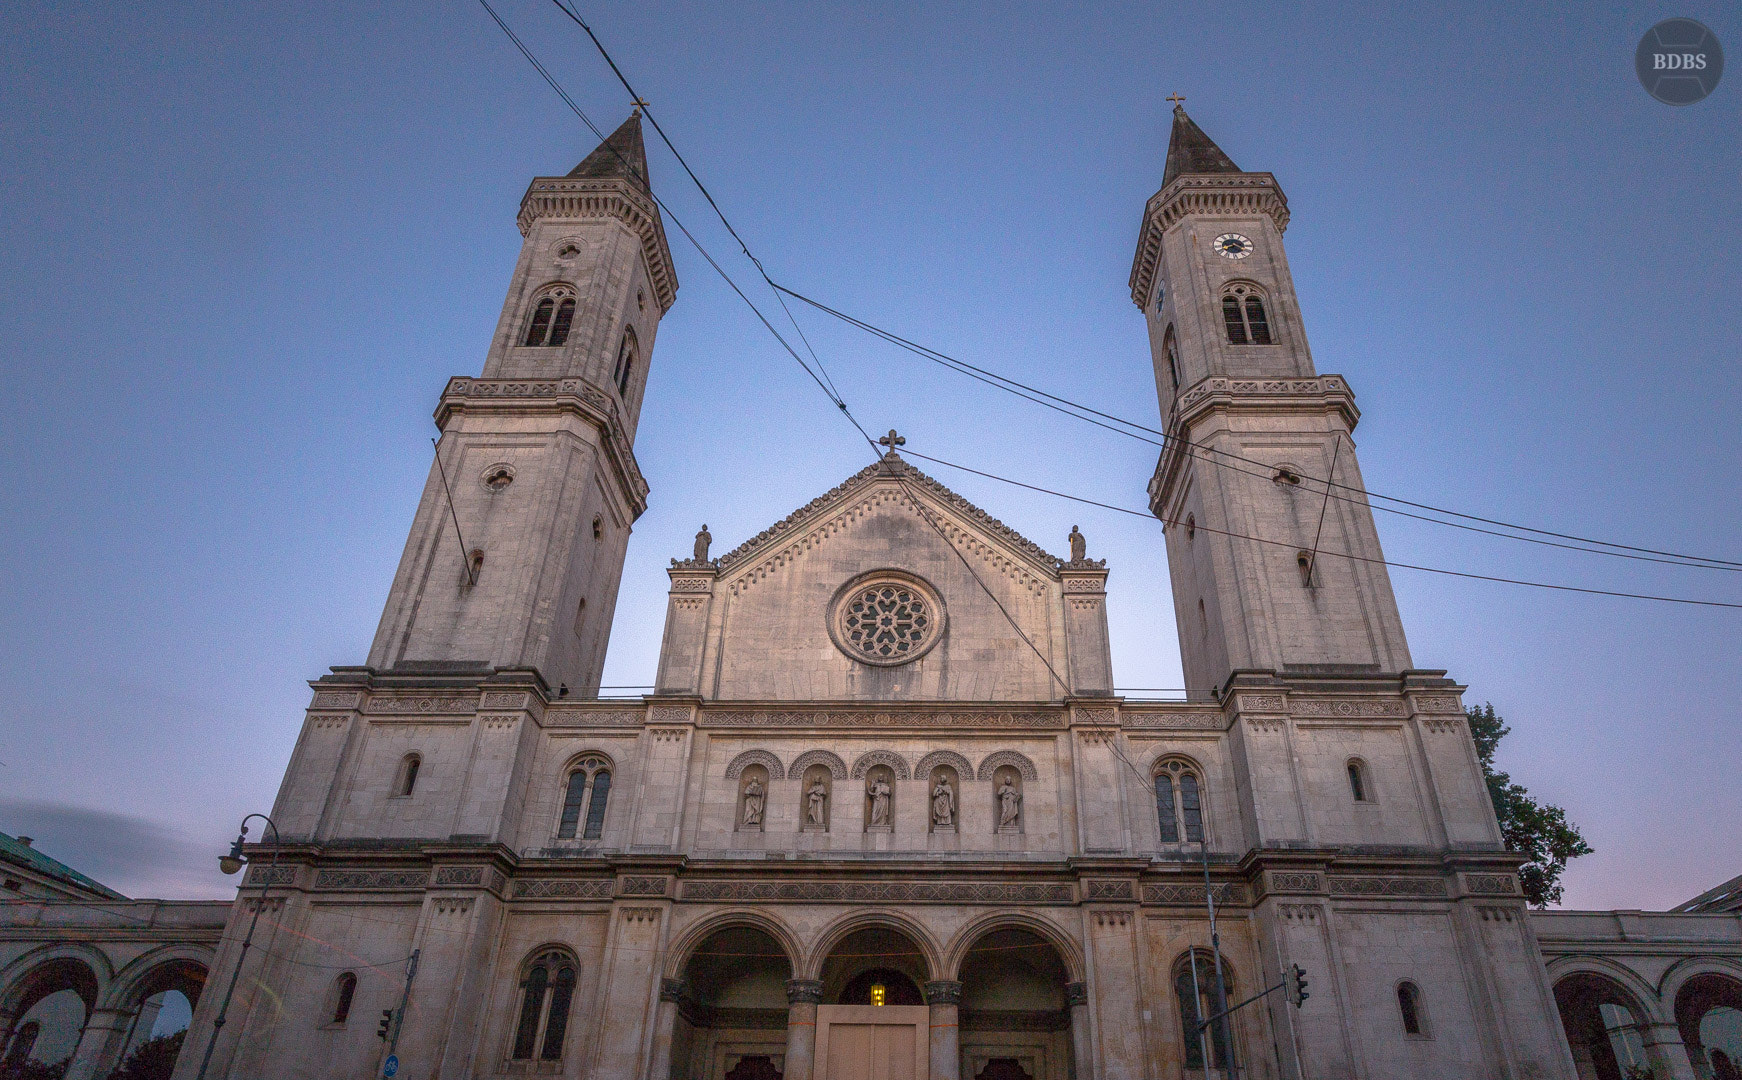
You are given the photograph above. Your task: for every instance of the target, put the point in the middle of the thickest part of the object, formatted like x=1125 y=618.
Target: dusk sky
x=245 y=245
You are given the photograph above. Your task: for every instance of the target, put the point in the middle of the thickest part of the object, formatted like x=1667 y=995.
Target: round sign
x=1679 y=61
x=392 y=1067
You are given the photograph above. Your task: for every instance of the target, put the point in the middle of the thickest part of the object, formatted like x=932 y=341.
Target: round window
x=886 y=618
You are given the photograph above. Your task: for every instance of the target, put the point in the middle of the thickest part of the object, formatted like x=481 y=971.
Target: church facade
x=883 y=815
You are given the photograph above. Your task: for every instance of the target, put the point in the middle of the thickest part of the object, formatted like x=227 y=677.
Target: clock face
x=1232 y=246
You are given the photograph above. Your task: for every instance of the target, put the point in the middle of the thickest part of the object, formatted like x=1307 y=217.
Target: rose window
x=887 y=621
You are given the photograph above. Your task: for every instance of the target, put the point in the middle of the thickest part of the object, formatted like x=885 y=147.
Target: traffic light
x=1296 y=985
x=386 y=1024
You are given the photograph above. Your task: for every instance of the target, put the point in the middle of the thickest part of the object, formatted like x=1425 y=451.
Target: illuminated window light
x=879 y=993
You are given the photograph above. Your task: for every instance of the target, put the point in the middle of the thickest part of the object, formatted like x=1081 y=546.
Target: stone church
x=883 y=816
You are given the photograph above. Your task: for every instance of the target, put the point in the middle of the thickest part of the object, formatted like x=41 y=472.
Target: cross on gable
x=892 y=440
x=1176 y=98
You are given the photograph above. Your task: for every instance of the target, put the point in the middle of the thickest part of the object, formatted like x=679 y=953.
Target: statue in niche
x=753 y=802
x=703 y=539
x=1079 y=546
x=1009 y=805
x=943 y=802
x=816 y=803
x=878 y=790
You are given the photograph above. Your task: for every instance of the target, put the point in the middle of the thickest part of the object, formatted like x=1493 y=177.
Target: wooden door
x=872 y=1042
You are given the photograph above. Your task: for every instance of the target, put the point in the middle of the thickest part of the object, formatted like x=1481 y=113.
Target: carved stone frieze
x=1387 y=886
x=1184 y=895
x=430 y=705
x=459 y=875
x=882 y=892
x=756 y=757
x=668 y=714
x=496 y=699
x=992 y=762
x=561 y=889
x=825 y=718
x=558 y=716
x=371 y=879
x=1263 y=703
x=944 y=757
x=643 y=885
x=1285 y=882
x=1171 y=721
x=1347 y=707
x=1437 y=703
x=271 y=875
x=873 y=758
x=1108 y=889
x=1490 y=885
x=837 y=768
x=335 y=699
x=692 y=585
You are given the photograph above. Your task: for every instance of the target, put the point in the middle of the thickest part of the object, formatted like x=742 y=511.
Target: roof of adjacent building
x=1189 y=150
x=20 y=854
x=1726 y=897
x=622 y=156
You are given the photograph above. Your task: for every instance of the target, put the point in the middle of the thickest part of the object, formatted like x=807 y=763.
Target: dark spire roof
x=623 y=155
x=1189 y=150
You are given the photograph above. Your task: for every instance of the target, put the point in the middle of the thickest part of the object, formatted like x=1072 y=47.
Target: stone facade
x=884 y=803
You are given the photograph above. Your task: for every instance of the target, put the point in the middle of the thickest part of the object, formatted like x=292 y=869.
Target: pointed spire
x=623 y=156
x=1189 y=150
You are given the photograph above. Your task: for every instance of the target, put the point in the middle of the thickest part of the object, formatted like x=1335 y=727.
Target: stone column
x=802 y=998
x=945 y=996
x=1665 y=1050
x=671 y=992
x=1082 y=1048
x=100 y=1045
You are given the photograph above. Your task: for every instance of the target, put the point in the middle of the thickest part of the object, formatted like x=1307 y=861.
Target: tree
x=153 y=1059
x=1537 y=831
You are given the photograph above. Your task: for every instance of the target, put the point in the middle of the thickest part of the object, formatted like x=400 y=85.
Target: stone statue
x=1009 y=805
x=943 y=803
x=816 y=803
x=1079 y=547
x=703 y=539
x=878 y=789
x=753 y=802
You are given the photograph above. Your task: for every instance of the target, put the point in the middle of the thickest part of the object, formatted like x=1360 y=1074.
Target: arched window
x=345 y=989
x=1244 y=316
x=539 y=327
x=1358 y=781
x=559 y=326
x=1304 y=562
x=552 y=316
x=1194 y=984
x=584 y=799
x=547 y=993
x=1409 y=1008
x=626 y=356
x=1179 y=802
x=1170 y=350
x=408 y=768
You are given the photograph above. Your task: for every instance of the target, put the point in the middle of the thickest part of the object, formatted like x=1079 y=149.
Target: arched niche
x=731 y=999
x=1015 y=1017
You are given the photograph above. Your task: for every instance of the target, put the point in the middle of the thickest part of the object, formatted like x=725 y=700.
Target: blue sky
x=246 y=244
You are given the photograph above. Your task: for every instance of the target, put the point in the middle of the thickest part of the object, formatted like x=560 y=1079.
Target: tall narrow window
x=562 y=994
x=1196 y=993
x=347 y=990
x=625 y=361
x=1170 y=350
x=1357 y=781
x=565 y=316
x=596 y=804
x=1244 y=315
x=540 y=324
x=573 y=799
x=408 y=775
x=537 y=981
x=1231 y=317
x=1409 y=1007
x=1179 y=807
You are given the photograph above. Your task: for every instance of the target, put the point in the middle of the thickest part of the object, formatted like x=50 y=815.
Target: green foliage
x=1540 y=832
x=32 y=1070
x=153 y=1059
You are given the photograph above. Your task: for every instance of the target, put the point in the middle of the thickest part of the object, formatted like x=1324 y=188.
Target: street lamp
x=230 y=864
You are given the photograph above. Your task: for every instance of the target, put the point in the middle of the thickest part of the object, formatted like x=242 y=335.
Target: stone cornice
x=1219 y=194
x=1230 y=394
x=580 y=199
x=467 y=394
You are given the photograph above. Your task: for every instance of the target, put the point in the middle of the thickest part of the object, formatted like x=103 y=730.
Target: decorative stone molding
x=548 y=889
x=804 y=991
x=263 y=876
x=640 y=914
x=1097 y=736
x=1094 y=716
x=496 y=699
x=756 y=757
x=1183 y=895
x=1221 y=193
x=873 y=758
x=558 y=716
x=882 y=892
x=677 y=991
x=421 y=705
x=1263 y=703
x=1496 y=914
x=1280 y=882
x=451 y=905
x=992 y=762
x=1172 y=721
x=1108 y=889
x=641 y=885
x=692 y=585
x=824 y=718
x=1076 y=994
x=265 y=905
x=1299 y=912
x=1437 y=703
x=1347 y=707
x=669 y=714
x=1264 y=726
x=944 y=757
x=667 y=735
x=328 y=722
x=1491 y=885
x=498 y=723
x=1387 y=886
x=335 y=699
x=1442 y=725
x=607 y=197
x=371 y=879
x=459 y=875
x=837 y=767
x=1085 y=585
x=943 y=992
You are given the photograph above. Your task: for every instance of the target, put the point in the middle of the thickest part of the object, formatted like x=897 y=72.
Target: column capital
x=674 y=990
x=804 y=992
x=1076 y=994
x=943 y=992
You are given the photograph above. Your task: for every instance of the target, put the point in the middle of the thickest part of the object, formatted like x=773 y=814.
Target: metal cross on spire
x=891 y=440
x=639 y=104
x=1176 y=98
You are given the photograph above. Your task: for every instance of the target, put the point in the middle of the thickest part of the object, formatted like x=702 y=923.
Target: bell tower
x=1260 y=559
x=515 y=555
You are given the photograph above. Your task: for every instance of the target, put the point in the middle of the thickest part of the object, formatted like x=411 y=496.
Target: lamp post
x=230 y=864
